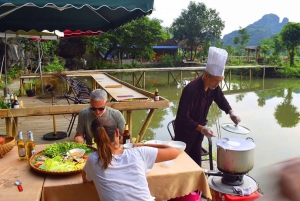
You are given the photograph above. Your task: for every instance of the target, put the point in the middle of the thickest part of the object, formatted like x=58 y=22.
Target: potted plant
x=29 y=88
x=2 y=104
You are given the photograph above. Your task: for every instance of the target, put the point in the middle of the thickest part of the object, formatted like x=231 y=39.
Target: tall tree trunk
x=292 y=55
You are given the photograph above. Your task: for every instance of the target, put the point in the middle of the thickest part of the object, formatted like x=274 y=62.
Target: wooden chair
x=204 y=152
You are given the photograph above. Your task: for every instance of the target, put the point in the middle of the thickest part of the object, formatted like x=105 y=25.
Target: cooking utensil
x=235 y=155
x=19 y=185
x=237 y=129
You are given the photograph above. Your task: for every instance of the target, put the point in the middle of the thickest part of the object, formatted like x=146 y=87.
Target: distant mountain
x=262 y=29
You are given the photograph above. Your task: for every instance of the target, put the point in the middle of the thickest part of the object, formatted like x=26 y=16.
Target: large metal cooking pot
x=235 y=155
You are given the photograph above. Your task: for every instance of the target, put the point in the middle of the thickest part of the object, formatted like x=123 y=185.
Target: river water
x=269 y=108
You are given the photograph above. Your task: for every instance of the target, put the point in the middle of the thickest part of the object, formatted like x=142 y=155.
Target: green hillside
x=262 y=29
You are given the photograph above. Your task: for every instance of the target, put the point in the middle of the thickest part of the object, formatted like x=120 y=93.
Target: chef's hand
x=235 y=118
x=207 y=132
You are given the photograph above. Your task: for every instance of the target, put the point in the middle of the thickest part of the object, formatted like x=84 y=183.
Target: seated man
x=98 y=100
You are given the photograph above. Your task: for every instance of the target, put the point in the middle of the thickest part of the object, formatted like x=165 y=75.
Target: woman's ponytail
x=104 y=130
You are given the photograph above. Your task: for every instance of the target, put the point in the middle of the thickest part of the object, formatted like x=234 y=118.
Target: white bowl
x=156 y=142
x=128 y=145
x=180 y=146
x=167 y=163
x=82 y=151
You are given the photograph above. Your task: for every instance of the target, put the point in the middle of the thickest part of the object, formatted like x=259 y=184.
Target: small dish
x=155 y=142
x=180 y=146
x=168 y=163
x=76 y=152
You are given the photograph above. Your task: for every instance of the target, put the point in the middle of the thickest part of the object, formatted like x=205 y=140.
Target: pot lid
x=236 y=144
x=237 y=129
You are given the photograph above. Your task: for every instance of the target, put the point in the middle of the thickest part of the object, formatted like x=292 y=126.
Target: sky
x=234 y=13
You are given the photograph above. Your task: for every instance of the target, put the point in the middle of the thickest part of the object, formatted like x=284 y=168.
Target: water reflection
x=285 y=112
x=269 y=108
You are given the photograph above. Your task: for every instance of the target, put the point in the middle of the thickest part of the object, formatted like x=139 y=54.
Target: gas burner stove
x=233 y=179
x=216 y=183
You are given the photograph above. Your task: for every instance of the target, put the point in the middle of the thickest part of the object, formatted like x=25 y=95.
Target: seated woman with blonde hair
x=120 y=174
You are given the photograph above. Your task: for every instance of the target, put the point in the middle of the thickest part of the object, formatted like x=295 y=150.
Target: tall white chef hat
x=216 y=61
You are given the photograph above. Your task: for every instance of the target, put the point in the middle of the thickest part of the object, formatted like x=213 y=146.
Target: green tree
x=290 y=36
x=230 y=49
x=198 y=25
x=265 y=49
x=139 y=36
x=134 y=38
x=277 y=45
x=241 y=40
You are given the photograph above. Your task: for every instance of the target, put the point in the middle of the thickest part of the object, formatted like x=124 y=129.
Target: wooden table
x=179 y=179
x=11 y=170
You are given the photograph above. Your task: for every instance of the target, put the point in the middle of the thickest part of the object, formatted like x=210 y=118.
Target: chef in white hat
x=195 y=101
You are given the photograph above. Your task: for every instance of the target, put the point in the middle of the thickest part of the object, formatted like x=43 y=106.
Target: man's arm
x=79 y=137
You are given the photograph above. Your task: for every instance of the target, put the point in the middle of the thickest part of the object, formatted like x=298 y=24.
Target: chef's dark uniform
x=192 y=110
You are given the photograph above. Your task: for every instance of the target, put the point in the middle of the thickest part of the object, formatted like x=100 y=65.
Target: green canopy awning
x=74 y=15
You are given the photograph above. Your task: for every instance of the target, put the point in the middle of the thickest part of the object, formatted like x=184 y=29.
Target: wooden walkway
x=139 y=74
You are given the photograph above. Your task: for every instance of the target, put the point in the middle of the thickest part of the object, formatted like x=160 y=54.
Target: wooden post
x=54 y=124
x=54 y=119
x=94 y=84
x=229 y=75
x=248 y=58
x=168 y=77
x=181 y=81
x=133 y=80
x=15 y=127
x=144 y=81
x=264 y=73
x=250 y=73
x=241 y=77
x=8 y=126
x=129 y=120
x=21 y=88
x=145 y=126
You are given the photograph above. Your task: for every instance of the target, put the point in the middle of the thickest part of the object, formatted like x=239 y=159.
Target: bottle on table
x=12 y=100
x=126 y=135
x=156 y=95
x=21 y=146
x=21 y=104
x=16 y=102
x=30 y=146
x=8 y=104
